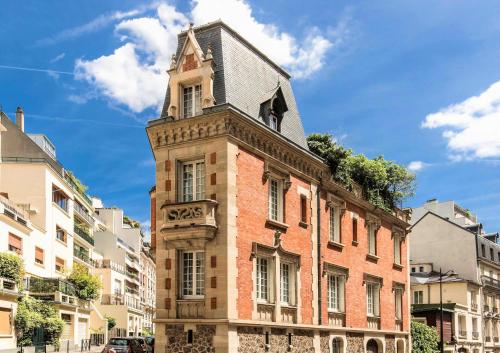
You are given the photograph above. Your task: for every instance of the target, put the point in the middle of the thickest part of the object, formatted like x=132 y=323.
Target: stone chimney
x=20 y=118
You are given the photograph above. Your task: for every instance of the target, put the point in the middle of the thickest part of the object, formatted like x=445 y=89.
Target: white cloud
x=416 y=166
x=57 y=58
x=472 y=127
x=134 y=75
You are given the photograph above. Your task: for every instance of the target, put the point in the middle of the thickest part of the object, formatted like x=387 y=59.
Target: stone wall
x=252 y=340
x=390 y=344
x=324 y=342
x=202 y=339
x=355 y=342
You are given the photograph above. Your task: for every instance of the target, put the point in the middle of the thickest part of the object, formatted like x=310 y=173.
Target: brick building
x=256 y=248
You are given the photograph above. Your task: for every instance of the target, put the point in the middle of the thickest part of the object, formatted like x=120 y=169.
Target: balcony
x=131 y=291
x=106 y=263
x=475 y=335
x=487 y=338
x=78 y=209
x=336 y=319
x=190 y=308
x=112 y=299
x=77 y=189
x=289 y=314
x=189 y=222
x=82 y=255
x=52 y=289
x=473 y=307
x=462 y=333
x=10 y=210
x=490 y=282
x=373 y=322
x=84 y=234
x=399 y=325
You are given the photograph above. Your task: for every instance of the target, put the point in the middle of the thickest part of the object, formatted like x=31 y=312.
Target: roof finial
x=173 y=62
x=209 y=56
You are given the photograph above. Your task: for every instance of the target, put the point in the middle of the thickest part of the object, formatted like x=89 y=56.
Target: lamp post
x=441 y=274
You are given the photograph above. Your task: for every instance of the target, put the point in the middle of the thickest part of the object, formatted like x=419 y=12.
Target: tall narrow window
x=193 y=274
x=262 y=279
x=60 y=198
x=193 y=181
x=39 y=255
x=372 y=299
x=335 y=224
x=192 y=97
x=60 y=263
x=483 y=250
x=303 y=209
x=335 y=293
x=61 y=234
x=398 y=299
x=273 y=122
x=372 y=239
x=15 y=244
x=336 y=345
x=285 y=283
x=397 y=249
x=275 y=200
x=355 y=229
x=418 y=297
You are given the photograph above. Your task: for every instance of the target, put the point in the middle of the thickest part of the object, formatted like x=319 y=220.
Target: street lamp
x=441 y=274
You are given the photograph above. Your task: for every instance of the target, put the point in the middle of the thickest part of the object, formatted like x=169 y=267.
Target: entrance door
x=82 y=330
x=371 y=346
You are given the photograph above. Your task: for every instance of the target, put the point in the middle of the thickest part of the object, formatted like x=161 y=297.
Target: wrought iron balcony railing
x=490 y=282
x=84 y=234
x=82 y=214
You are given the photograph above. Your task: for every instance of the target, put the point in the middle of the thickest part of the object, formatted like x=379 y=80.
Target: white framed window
x=192 y=274
x=276 y=199
x=337 y=345
x=398 y=300
x=372 y=239
x=418 y=297
x=191 y=100
x=336 y=289
x=273 y=122
x=397 y=249
x=263 y=275
x=288 y=277
x=372 y=299
x=192 y=180
x=335 y=224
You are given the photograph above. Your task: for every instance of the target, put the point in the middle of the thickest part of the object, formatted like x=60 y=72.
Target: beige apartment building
x=127 y=272
x=48 y=221
x=459 y=245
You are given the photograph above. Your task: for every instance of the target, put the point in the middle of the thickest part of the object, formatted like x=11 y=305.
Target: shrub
x=87 y=285
x=11 y=267
x=111 y=322
x=424 y=338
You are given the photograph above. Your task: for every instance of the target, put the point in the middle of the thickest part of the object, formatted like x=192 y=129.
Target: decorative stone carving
x=190 y=309
x=183 y=213
x=195 y=213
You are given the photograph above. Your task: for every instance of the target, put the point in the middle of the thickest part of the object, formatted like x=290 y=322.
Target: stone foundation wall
x=202 y=339
x=324 y=342
x=390 y=344
x=252 y=340
x=355 y=342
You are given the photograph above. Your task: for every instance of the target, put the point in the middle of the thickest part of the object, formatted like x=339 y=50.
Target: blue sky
x=414 y=82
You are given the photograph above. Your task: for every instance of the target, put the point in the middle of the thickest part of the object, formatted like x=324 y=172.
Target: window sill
x=39 y=265
x=373 y=258
x=65 y=243
x=335 y=312
x=65 y=212
x=355 y=243
x=277 y=224
x=336 y=245
x=303 y=224
x=397 y=266
x=191 y=298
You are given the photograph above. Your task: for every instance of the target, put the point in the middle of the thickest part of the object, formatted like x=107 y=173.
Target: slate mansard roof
x=244 y=77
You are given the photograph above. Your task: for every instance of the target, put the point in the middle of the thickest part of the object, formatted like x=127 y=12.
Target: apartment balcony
x=77 y=189
x=112 y=299
x=462 y=333
x=84 y=234
x=8 y=286
x=106 y=263
x=52 y=289
x=265 y=312
x=473 y=307
x=288 y=314
x=84 y=304
x=336 y=319
x=399 y=324
x=191 y=222
x=475 y=335
x=373 y=322
x=83 y=256
x=80 y=211
x=10 y=210
x=131 y=291
x=190 y=308
x=490 y=282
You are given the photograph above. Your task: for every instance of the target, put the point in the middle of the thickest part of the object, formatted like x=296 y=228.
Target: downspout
x=318 y=244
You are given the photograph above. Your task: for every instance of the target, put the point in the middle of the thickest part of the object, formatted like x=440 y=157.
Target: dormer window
x=272 y=109
x=273 y=122
x=191 y=101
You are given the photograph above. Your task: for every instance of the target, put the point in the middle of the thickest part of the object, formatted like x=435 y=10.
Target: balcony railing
x=112 y=299
x=289 y=314
x=187 y=214
x=131 y=291
x=473 y=307
x=399 y=325
x=488 y=338
x=106 y=263
x=11 y=211
x=336 y=319
x=84 y=215
x=490 y=282
x=84 y=234
x=8 y=285
x=462 y=333
x=76 y=189
x=475 y=335
x=82 y=255
x=373 y=323
x=50 y=285
x=191 y=309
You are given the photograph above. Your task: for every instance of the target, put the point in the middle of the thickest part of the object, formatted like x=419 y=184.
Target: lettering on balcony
x=180 y=214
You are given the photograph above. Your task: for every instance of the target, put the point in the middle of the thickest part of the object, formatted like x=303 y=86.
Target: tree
x=32 y=314
x=384 y=183
x=86 y=284
x=11 y=267
x=425 y=339
x=111 y=322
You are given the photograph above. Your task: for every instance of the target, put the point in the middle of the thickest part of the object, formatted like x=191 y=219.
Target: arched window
x=337 y=345
x=372 y=346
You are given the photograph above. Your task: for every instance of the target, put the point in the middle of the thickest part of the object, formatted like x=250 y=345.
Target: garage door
x=82 y=330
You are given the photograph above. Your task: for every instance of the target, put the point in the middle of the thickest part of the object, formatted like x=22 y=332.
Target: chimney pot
x=20 y=118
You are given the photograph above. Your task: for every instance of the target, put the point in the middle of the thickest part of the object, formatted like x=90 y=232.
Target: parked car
x=150 y=341
x=124 y=345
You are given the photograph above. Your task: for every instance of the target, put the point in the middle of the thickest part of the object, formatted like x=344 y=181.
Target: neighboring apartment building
x=461 y=313
x=459 y=244
x=127 y=273
x=49 y=223
x=257 y=249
